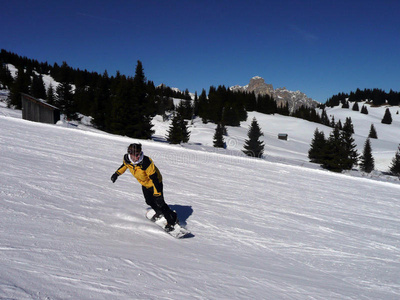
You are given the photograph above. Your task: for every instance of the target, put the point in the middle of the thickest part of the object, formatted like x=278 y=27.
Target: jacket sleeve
x=157 y=184
x=155 y=176
x=121 y=170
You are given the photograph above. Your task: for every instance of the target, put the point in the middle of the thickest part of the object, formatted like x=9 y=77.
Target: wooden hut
x=38 y=110
x=283 y=136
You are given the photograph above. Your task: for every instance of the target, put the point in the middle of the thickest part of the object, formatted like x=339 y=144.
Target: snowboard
x=178 y=231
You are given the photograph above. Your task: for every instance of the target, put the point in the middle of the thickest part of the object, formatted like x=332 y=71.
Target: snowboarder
x=144 y=170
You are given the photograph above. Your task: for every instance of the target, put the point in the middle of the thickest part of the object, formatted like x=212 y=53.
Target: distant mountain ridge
x=295 y=99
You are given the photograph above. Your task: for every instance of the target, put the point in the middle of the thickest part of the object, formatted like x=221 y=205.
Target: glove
x=114 y=177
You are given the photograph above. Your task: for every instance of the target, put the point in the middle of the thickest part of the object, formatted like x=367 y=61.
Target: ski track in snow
x=262 y=230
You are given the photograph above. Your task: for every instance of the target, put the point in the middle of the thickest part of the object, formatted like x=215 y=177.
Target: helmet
x=134 y=148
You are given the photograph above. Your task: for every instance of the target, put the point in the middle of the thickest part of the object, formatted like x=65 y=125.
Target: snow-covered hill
x=300 y=133
x=278 y=228
x=385 y=146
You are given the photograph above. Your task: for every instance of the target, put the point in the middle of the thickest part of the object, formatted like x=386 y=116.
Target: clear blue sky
x=320 y=47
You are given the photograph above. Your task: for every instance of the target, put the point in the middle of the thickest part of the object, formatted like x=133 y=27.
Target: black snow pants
x=158 y=204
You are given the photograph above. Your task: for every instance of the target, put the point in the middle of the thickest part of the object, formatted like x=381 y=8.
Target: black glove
x=114 y=177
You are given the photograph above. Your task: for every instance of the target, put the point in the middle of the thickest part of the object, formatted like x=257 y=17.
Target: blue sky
x=318 y=47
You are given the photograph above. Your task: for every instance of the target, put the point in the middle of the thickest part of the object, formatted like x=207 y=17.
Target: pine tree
x=253 y=146
x=355 y=106
x=367 y=161
x=334 y=154
x=82 y=98
x=51 y=98
x=178 y=131
x=185 y=109
x=372 y=132
x=37 y=88
x=144 y=107
x=339 y=125
x=20 y=85
x=180 y=109
x=215 y=104
x=163 y=102
x=174 y=135
x=123 y=106
x=251 y=101
x=364 y=110
x=131 y=108
x=219 y=136
x=203 y=107
x=283 y=109
x=64 y=95
x=230 y=116
x=350 y=155
x=6 y=78
x=395 y=166
x=266 y=104
x=65 y=100
x=185 y=131
x=317 y=147
x=340 y=151
x=387 y=118
x=333 y=121
x=348 y=126
x=102 y=103
x=325 y=119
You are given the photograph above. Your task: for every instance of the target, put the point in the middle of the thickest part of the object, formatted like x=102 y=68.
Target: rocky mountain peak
x=281 y=95
x=259 y=87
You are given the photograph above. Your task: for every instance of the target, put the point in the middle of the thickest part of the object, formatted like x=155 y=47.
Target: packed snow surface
x=273 y=228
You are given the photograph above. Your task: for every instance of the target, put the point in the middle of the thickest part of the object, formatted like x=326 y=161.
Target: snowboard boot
x=176 y=217
x=157 y=216
x=171 y=225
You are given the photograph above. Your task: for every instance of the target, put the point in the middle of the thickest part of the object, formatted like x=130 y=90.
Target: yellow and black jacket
x=145 y=172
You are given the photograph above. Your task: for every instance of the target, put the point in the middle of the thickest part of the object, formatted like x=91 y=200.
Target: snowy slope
x=384 y=148
x=262 y=229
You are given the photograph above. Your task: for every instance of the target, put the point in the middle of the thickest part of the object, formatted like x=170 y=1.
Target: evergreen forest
x=122 y=104
x=376 y=96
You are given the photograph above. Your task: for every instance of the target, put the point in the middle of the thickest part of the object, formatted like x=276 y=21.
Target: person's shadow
x=183 y=212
